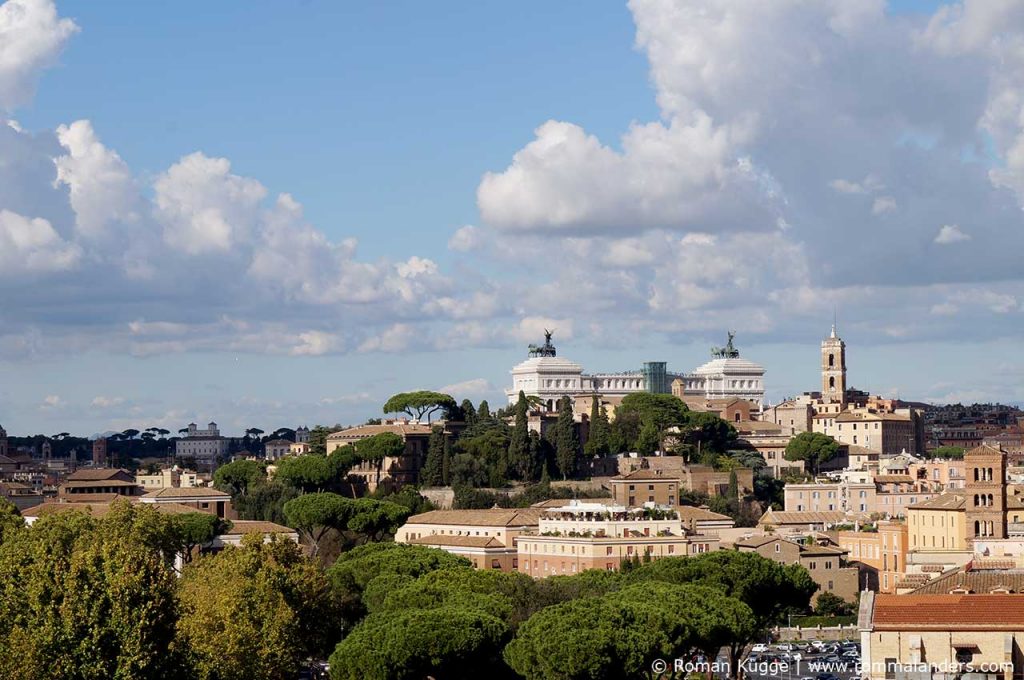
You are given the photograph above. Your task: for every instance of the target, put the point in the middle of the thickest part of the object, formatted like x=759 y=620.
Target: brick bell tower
x=833 y=368
x=986 y=492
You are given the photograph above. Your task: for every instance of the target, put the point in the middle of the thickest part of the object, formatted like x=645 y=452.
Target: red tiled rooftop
x=949 y=612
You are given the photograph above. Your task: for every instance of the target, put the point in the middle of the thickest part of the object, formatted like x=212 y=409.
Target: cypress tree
x=519 y=444
x=598 y=441
x=567 y=443
x=468 y=411
x=484 y=412
x=433 y=467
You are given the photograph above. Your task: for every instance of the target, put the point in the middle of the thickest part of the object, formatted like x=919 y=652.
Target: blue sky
x=462 y=175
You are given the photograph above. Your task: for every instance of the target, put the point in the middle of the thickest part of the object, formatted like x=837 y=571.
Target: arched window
x=831 y=382
x=990 y=500
x=831 y=360
x=977 y=528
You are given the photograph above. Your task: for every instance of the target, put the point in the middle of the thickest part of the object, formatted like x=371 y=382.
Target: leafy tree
x=567 y=443
x=489 y=452
x=357 y=520
x=519 y=444
x=315 y=514
x=432 y=473
x=256 y=612
x=510 y=597
x=192 y=530
x=656 y=413
x=450 y=641
x=649 y=440
x=813 y=448
x=620 y=634
x=408 y=497
x=318 y=438
x=707 y=433
x=468 y=411
x=484 y=411
x=307 y=473
x=955 y=452
x=466 y=470
x=419 y=404
x=236 y=478
x=86 y=598
x=768 y=588
x=265 y=501
x=830 y=604
x=393 y=564
x=10 y=520
x=379 y=447
x=597 y=441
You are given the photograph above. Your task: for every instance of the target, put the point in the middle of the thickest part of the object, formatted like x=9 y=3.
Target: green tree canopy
x=256 y=612
x=767 y=587
x=432 y=473
x=598 y=443
x=813 y=448
x=656 y=412
x=315 y=514
x=567 y=441
x=419 y=404
x=508 y=596
x=620 y=634
x=192 y=530
x=235 y=478
x=955 y=452
x=86 y=598
x=444 y=642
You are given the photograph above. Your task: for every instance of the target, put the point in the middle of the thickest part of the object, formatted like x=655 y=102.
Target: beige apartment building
x=864 y=492
x=826 y=565
x=485 y=537
x=202 y=499
x=168 y=478
x=659 y=479
x=392 y=472
x=581 y=536
x=881 y=555
x=942 y=636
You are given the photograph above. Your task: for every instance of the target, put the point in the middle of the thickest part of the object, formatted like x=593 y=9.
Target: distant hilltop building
x=205 y=445
x=549 y=377
x=870 y=425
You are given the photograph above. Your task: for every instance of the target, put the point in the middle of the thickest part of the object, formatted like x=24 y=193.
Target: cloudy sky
x=271 y=214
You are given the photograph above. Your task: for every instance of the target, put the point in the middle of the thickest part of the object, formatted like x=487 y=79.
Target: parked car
x=759 y=648
x=785 y=647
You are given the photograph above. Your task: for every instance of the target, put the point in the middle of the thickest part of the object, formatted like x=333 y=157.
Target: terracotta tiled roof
x=984 y=450
x=496 y=517
x=99 y=509
x=363 y=431
x=948 y=612
x=459 y=541
x=891 y=479
x=977 y=582
x=188 y=492
x=242 y=526
x=97 y=484
x=96 y=474
x=648 y=475
x=687 y=512
x=806 y=517
x=946 y=501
